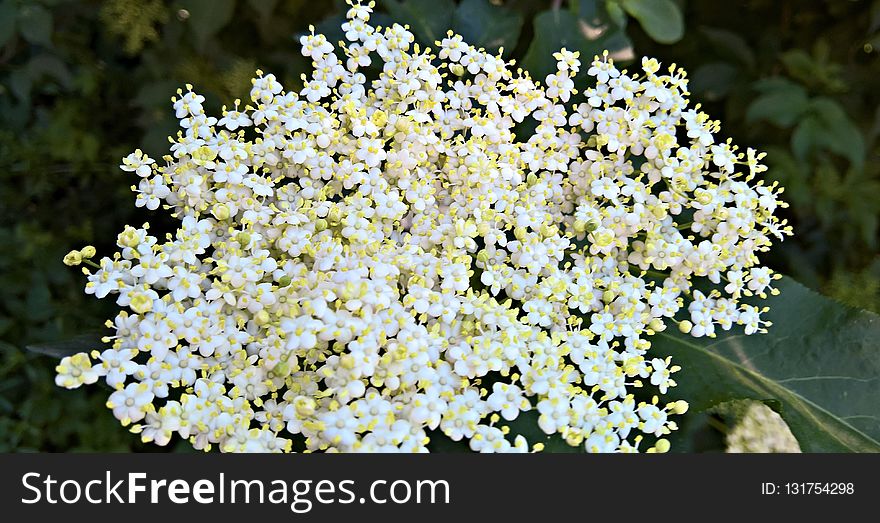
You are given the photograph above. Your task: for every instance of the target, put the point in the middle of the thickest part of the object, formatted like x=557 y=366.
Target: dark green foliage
x=818 y=366
x=82 y=83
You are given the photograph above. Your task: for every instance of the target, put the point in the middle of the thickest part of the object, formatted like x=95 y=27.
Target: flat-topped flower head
x=360 y=264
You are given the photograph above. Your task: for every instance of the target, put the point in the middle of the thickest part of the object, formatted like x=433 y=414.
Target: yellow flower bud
x=334 y=216
x=128 y=237
x=282 y=369
x=203 y=155
x=220 y=211
x=657 y=325
x=243 y=238
x=380 y=118
x=304 y=406
x=141 y=303
x=73 y=258
x=604 y=238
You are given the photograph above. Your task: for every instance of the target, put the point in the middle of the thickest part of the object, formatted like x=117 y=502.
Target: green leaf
x=730 y=45
x=818 y=366
x=828 y=126
x=69 y=347
x=698 y=432
x=485 y=25
x=840 y=133
x=798 y=64
x=207 y=17
x=661 y=19
x=7 y=21
x=556 y=28
x=428 y=19
x=782 y=102
x=599 y=14
x=806 y=136
x=616 y=13
x=785 y=169
x=714 y=80
x=46 y=64
x=35 y=24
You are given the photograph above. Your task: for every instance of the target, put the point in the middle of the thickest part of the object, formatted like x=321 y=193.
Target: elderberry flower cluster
x=428 y=243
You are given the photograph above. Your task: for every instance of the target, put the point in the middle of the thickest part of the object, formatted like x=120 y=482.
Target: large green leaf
x=730 y=45
x=207 y=17
x=35 y=24
x=781 y=102
x=714 y=80
x=808 y=133
x=661 y=19
x=428 y=19
x=85 y=342
x=841 y=133
x=588 y=30
x=818 y=366
x=485 y=25
x=827 y=125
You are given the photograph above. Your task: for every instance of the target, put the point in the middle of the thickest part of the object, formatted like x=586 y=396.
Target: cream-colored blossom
x=361 y=262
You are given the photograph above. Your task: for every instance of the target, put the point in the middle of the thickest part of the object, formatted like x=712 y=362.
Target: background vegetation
x=82 y=83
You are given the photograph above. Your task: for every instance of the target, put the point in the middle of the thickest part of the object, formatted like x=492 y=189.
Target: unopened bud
x=73 y=258
x=685 y=326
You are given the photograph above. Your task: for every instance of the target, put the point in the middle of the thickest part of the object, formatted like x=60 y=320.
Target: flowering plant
x=379 y=259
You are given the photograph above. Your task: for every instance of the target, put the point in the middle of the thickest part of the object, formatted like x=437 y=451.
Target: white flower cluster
x=392 y=252
x=757 y=429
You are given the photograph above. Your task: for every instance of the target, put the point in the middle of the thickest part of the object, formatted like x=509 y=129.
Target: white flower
x=118 y=366
x=723 y=157
x=361 y=262
x=371 y=151
x=605 y=188
x=508 y=400
x=138 y=163
x=76 y=370
x=660 y=375
x=130 y=404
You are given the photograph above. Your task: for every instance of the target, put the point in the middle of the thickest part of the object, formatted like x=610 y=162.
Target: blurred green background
x=83 y=83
